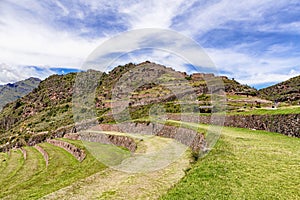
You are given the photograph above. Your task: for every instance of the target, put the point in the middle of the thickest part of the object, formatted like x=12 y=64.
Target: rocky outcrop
x=288 y=124
x=76 y=152
x=44 y=153
x=7 y=122
x=38 y=138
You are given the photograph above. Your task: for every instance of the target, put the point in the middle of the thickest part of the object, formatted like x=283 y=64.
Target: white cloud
x=29 y=36
x=253 y=70
x=63 y=8
x=34 y=44
x=151 y=14
x=202 y=19
x=166 y=47
x=12 y=73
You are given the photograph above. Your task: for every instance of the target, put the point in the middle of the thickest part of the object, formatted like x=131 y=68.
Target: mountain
x=287 y=91
x=49 y=106
x=13 y=91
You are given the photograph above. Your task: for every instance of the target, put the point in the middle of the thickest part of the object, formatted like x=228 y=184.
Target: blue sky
x=257 y=42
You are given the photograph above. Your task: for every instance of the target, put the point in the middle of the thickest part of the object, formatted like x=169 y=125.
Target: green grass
x=255 y=111
x=3 y=162
x=33 y=180
x=264 y=111
x=31 y=166
x=103 y=152
x=244 y=164
x=12 y=165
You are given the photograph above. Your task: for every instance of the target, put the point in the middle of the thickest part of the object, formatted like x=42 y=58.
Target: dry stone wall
x=24 y=153
x=118 y=140
x=287 y=124
x=44 y=153
x=185 y=136
x=76 y=152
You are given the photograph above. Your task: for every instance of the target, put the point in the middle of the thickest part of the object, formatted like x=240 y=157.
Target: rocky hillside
x=13 y=91
x=287 y=91
x=49 y=106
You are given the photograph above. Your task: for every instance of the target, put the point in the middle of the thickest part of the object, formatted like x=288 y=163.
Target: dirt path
x=116 y=184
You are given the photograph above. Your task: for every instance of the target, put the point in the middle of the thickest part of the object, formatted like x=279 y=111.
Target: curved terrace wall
x=44 y=153
x=118 y=140
x=287 y=124
x=185 y=136
x=76 y=152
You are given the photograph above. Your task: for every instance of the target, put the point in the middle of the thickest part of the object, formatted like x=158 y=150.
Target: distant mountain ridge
x=286 y=91
x=12 y=91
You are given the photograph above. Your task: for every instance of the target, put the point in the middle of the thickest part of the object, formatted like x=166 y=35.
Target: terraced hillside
x=46 y=108
x=28 y=177
x=243 y=164
x=49 y=106
x=39 y=163
x=31 y=178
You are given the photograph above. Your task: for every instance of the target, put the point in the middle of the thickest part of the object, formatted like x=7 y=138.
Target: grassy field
x=244 y=164
x=11 y=164
x=264 y=111
x=31 y=179
x=115 y=184
x=103 y=152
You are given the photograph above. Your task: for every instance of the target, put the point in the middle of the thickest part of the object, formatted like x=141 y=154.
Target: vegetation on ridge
x=243 y=164
x=49 y=106
x=12 y=91
x=287 y=91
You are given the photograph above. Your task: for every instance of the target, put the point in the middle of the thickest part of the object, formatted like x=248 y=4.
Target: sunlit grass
x=244 y=164
x=270 y=111
x=31 y=179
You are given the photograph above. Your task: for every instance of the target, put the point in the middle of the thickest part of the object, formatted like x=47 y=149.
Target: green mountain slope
x=287 y=91
x=244 y=164
x=12 y=91
x=49 y=106
x=46 y=108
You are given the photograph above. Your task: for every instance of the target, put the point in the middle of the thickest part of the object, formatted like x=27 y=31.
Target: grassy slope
x=12 y=164
x=115 y=184
x=287 y=91
x=257 y=111
x=37 y=180
x=11 y=92
x=33 y=165
x=244 y=164
x=263 y=111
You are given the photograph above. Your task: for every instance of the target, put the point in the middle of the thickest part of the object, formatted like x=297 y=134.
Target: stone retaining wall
x=24 y=153
x=118 y=140
x=183 y=135
x=288 y=124
x=76 y=152
x=44 y=153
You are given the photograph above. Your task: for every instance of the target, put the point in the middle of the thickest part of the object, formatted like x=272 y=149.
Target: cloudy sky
x=257 y=41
